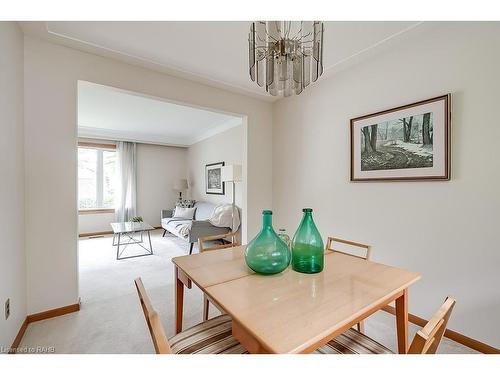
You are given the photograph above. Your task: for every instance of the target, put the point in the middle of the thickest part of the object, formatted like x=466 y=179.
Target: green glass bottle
x=267 y=253
x=307 y=246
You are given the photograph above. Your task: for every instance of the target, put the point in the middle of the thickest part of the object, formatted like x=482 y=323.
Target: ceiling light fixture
x=285 y=55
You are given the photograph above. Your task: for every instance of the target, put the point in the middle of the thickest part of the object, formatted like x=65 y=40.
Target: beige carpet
x=111 y=320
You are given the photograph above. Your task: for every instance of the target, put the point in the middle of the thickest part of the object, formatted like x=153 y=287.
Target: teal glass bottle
x=267 y=253
x=307 y=246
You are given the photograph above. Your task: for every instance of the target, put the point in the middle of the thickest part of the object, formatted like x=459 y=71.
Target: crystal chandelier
x=285 y=55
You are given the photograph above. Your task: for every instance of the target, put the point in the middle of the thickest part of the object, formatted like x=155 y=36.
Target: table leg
x=247 y=339
x=150 y=246
x=402 y=322
x=206 y=306
x=179 y=301
x=118 y=247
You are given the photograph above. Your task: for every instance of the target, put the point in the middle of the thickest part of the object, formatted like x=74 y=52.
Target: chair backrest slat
x=231 y=236
x=155 y=327
x=366 y=248
x=427 y=339
x=366 y=256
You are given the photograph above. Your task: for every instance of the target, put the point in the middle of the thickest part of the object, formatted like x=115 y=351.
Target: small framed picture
x=411 y=142
x=213 y=178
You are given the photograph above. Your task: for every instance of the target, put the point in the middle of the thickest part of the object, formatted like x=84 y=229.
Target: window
x=96 y=177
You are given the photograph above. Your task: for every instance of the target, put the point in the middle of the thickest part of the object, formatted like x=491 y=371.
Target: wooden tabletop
x=292 y=312
x=214 y=267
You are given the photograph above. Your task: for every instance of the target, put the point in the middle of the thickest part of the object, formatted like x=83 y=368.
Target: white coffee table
x=129 y=230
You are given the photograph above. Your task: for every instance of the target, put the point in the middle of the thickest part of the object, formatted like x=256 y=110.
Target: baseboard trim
x=92 y=234
x=53 y=313
x=19 y=337
x=41 y=316
x=452 y=335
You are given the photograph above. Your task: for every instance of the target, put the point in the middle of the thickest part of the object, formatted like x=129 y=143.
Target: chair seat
x=210 y=337
x=214 y=337
x=353 y=342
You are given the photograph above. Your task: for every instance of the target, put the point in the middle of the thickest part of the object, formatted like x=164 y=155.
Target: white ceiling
x=109 y=113
x=215 y=53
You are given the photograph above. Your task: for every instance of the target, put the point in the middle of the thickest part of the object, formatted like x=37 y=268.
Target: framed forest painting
x=411 y=142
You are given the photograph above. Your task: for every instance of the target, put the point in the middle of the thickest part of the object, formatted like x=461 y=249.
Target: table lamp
x=181 y=185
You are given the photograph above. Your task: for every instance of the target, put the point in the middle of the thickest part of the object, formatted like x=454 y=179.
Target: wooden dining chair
x=155 y=327
x=365 y=253
x=228 y=240
x=426 y=340
x=231 y=237
x=211 y=337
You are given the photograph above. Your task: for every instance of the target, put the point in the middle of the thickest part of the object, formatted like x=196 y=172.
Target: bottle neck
x=267 y=221
x=307 y=216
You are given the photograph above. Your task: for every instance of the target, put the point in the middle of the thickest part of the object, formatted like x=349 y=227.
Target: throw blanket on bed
x=181 y=226
x=221 y=217
x=184 y=229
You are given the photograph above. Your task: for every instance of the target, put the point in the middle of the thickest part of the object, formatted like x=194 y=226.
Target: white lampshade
x=181 y=184
x=231 y=173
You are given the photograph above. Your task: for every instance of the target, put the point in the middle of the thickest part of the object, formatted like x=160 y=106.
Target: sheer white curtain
x=126 y=181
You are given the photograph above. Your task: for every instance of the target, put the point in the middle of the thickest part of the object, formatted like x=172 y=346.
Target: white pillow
x=184 y=213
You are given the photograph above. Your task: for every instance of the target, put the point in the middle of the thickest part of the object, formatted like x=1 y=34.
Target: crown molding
x=128 y=136
x=225 y=126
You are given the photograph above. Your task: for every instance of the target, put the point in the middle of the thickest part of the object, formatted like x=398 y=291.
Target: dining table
x=294 y=312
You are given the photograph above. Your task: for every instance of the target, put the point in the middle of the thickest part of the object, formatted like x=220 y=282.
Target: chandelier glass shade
x=284 y=56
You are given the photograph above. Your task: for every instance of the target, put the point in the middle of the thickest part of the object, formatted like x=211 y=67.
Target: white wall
x=158 y=167
x=51 y=75
x=95 y=223
x=12 y=249
x=228 y=147
x=448 y=231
